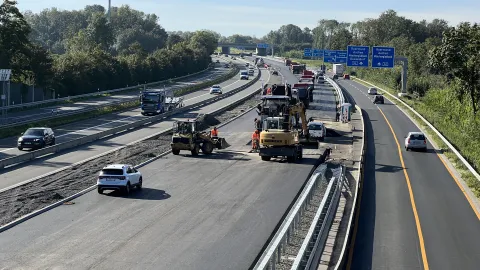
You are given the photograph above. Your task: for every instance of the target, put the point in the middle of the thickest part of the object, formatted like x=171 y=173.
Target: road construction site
x=223 y=206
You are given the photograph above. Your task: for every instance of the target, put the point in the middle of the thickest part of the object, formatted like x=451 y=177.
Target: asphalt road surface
x=205 y=212
x=108 y=121
x=17 y=174
x=387 y=235
x=33 y=114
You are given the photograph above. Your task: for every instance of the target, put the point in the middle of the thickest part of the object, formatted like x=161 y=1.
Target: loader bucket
x=222 y=143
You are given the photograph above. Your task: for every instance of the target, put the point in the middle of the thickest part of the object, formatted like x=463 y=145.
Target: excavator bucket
x=221 y=143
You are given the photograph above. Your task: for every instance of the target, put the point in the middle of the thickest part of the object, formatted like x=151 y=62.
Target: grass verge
x=466 y=175
x=16 y=130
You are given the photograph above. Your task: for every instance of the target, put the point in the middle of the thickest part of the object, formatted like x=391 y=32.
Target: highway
x=88 y=127
x=323 y=105
x=32 y=114
x=47 y=164
x=201 y=212
x=412 y=215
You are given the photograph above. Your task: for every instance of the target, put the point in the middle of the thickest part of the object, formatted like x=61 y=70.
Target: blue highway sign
x=383 y=57
x=317 y=53
x=341 y=57
x=262 y=45
x=307 y=52
x=357 y=56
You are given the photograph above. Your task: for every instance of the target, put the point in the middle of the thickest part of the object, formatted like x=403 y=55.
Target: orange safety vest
x=214 y=133
x=255 y=136
x=269 y=91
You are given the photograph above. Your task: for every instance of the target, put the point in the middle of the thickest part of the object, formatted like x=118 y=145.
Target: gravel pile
x=25 y=199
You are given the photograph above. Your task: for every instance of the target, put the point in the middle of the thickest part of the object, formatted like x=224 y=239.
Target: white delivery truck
x=338 y=69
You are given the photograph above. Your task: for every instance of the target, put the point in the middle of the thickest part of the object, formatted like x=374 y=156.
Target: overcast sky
x=259 y=17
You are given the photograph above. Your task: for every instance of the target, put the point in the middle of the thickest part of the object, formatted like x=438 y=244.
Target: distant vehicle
x=247 y=64
x=274 y=72
x=121 y=177
x=338 y=69
x=372 y=91
x=317 y=130
x=244 y=75
x=226 y=65
x=234 y=58
x=346 y=76
x=218 y=61
x=321 y=79
x=36 y=138
x=216 y=89
x=378 y=99
x=251 y=72
x=226 y=55
x=156 y=101
x=415 y=140
x=335 y=77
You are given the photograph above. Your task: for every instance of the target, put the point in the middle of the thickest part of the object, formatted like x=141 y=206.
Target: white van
x=251 y=72
x=317 y=131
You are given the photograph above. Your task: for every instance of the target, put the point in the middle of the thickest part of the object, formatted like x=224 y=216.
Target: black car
x=35 y=138
x=274 y=72
x=378 y=99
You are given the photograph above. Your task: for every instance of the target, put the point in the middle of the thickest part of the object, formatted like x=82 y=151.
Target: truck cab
x=157 y=101
x=244 y=75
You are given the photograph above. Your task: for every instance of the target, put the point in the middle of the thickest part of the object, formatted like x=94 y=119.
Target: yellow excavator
x=280 y=136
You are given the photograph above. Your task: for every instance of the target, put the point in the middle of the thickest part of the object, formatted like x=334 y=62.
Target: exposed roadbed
x=23 y=200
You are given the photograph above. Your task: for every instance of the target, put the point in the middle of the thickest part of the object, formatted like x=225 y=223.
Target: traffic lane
x=30 y=115
x=386 y=235
x=91 y=126
x=451 y=227
x=38 y=167
x=190 y=208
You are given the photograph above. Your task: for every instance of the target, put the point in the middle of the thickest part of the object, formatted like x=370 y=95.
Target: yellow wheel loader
x=186 y=136
x=280 y=136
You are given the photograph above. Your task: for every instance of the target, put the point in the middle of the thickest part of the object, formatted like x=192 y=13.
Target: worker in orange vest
x=255 y=139
x=214 y=133
x=269 y=91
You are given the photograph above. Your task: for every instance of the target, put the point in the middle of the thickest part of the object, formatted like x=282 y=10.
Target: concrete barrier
x=90 y=138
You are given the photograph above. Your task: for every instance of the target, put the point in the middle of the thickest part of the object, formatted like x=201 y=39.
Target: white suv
x=120 y=177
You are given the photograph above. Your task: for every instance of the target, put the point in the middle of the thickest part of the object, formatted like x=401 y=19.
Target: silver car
x=416 y=140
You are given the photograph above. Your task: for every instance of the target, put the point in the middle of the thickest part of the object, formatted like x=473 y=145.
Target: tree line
x=82 y=51
x=443 y=67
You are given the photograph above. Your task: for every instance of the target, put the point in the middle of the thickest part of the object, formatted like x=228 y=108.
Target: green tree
x=459 y=55
x=204 y=39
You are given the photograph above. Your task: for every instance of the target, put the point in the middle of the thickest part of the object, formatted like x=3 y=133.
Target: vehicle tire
x=424 y=149
x=264 y=158
x=127 y=189
x=53 y=142
x=100 y=191
x=140 y=183
x=20 y=148
x=196 y=150
x=207 y=148
x=175 y=151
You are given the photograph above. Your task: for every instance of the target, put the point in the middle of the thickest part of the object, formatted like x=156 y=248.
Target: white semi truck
x=338 y=69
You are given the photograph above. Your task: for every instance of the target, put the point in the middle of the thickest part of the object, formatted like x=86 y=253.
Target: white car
x=372 y=91
x=216 y=89
x=317 y=131
x=121 y=177
x=416 y=140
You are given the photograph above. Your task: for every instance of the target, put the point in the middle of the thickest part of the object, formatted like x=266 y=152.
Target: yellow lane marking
x=460 y=186
x=412 y=199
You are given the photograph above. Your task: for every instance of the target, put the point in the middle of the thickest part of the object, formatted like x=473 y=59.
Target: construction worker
x=214 y=133
x=255 y=139
x=257 y=124
x=269 y=91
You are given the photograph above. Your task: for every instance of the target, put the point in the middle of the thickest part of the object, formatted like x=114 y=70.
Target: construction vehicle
x=298 y=69
x=287 y=62
x=280 y=136
x=273 y=104
x=303 y=92
x=186 y=136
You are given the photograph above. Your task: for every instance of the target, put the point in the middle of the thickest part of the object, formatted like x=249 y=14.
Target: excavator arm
x=300 y=109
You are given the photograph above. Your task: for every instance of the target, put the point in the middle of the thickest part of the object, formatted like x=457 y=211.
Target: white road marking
x=119 y=120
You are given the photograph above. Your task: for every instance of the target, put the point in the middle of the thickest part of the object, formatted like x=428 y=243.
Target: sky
x=257 y=18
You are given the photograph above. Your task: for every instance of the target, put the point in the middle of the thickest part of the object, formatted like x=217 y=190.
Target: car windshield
x=315 y=127
x=417 y=137
x=215 y=86
x=34 y=132
x=150 y=98
x=272 y=124
x=111 y=172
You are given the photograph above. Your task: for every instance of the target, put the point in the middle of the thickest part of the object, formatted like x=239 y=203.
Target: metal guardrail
x=338 y=90
x=90 y=138
x=276 y=248
x=454 y=150
x=17 y=122
x=312 y=247
x=356 y=207
x=33 y=104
